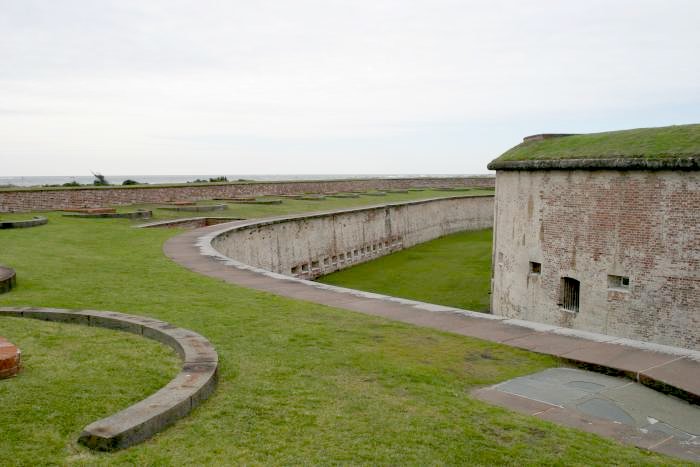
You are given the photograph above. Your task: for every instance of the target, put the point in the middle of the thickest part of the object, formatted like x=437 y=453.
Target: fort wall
x=43 y=199
x=308 y=246
x=628 y=240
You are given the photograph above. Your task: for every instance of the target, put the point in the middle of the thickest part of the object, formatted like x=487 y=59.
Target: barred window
x=569 y=294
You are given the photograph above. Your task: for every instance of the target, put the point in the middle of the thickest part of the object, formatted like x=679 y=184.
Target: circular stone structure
x=8 y=279
x=138 y=214
x=21 y=224
x=9 y=358
x=136 y=423
x=200 y=208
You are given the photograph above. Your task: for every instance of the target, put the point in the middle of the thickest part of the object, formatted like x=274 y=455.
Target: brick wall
x=52 y=199
x=587 y=225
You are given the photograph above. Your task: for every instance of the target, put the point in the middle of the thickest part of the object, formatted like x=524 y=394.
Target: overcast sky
x=303 y=87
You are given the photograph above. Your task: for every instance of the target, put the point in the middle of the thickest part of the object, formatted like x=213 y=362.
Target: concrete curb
x=141 y=214
x=202 y=208
x=191 y=222
x=33 y=222
x=195 y=382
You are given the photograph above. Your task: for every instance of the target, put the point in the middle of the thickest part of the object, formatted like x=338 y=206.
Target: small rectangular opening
x=386 y=244
x=535 y=267
x=569 y=294
x=348 y=255
x=335 y=259
x=315 y=265
x=342 y=257
x=305 y=267
x=618 y=282
x=295 y=270
x=326 y=261
x=355 y=253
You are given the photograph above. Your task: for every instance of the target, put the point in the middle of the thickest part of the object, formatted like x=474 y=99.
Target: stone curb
x=112 y=215
x=8 y=279
x=138 y=422
x=203 y=208
x=33 y=222
x=189 y=221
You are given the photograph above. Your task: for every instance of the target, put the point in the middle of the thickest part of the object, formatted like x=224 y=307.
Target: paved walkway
x=666 y=368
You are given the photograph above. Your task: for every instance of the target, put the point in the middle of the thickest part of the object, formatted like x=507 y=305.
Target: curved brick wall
x=310 y=245
x=23 y=200
x=594 y=227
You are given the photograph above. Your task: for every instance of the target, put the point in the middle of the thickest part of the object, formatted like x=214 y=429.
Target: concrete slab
x=607 y=405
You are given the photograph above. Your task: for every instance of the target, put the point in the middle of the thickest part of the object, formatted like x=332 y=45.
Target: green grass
x=646 y=143
x=453 y=270
x=300 y=383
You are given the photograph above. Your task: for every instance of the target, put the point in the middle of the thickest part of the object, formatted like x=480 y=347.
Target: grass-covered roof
x=675 y=146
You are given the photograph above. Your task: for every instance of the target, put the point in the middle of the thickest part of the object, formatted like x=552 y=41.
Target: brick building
x=601 y=232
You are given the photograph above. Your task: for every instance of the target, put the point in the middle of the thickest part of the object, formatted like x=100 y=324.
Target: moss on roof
x=664 y=147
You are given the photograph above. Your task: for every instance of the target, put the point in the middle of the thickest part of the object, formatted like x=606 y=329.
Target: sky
x=330 y=87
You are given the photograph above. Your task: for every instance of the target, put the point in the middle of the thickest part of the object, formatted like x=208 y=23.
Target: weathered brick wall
x=43 y=200
x=311 y=245
x=587 y=225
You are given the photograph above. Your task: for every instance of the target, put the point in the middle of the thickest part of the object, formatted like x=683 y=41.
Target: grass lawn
x=453 y=270
x=647 y=143
x=299 y=384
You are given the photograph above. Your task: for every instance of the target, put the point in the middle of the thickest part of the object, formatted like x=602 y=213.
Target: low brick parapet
x=10 y=357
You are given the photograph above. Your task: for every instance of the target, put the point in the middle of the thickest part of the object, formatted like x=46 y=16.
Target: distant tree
x=100 y=179
x=72 y=183
x=218 y=179
x=131 y=182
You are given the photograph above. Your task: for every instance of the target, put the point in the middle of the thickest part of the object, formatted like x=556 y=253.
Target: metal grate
x=569 y=294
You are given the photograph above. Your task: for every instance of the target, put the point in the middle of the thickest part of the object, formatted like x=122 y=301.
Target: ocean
x=160 y=179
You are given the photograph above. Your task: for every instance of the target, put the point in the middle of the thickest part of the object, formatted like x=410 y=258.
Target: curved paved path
x=669 y=369
x=138 y=422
